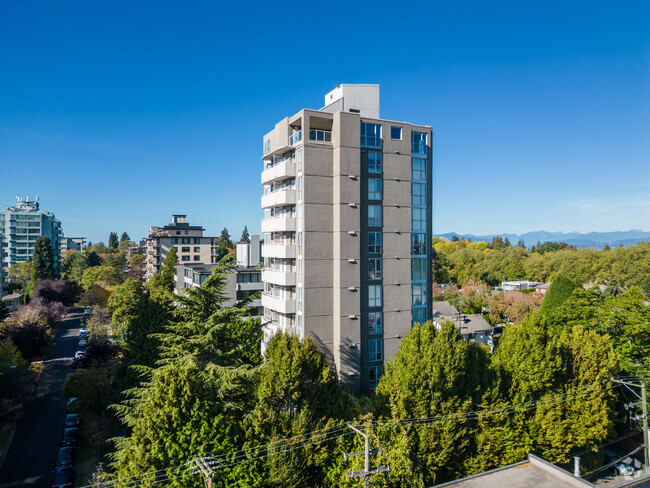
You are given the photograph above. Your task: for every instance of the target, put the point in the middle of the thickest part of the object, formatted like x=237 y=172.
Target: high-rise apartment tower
x=347 y=226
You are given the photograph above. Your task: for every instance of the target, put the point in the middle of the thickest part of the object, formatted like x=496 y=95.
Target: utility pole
x=644 y=407
x=206 y=470
x=367 y=471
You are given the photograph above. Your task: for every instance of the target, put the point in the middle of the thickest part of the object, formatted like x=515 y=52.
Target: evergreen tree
x=93 y=259
x=245 y=236
x=125 y=237
x=112 y=242
x=560 y=290
x=224 y=239
x=43 y=260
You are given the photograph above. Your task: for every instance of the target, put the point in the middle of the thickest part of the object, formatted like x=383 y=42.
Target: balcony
x=317 y=135
x=282 y=305
x=285 y=251
x=279 y=198
x=284 y=278
x=279 y=224
x=295 y=138
x=280 y=171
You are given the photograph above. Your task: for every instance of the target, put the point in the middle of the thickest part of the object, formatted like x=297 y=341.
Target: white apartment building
x=347 y=226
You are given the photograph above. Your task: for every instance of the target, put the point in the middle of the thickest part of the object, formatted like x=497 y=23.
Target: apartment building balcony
x=282 y=305
x=256 y=286
x=280 y=171
x=285 y=251
x=279 y=224
x=279 y=198
x=317 y=135
x=295 y=138
x=279 y=277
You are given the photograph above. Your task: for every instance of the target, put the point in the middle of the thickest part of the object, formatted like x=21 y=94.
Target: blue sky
x=119 y=114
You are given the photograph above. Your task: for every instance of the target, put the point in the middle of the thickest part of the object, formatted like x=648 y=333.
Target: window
x=374 y=215
x=267 y=146
x=375 y=323
x=174 y=240
x=396 y=133
x=185 y=258
x=374 y=242
x=375 y=349
x=418 y=269
x=186 y=232
x=374 y=296
x=299 y=188
x=419 y=315
x=299 y=160
x=418 y=143
x=178 y=232
x=197 y=249
x=418 y=194
x=185 y=240
x=197 y=257
x=374 y=268
x=197 y=240
x=374 y=162
x=374 y=189
x=418 y=244
x=418 y=219
x=370 y=135
x=185 y=249
x=374 y=373
x=419 y=293
x=418 y=169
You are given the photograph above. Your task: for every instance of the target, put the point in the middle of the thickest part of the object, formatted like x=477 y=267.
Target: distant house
x=472 y=327
x=12 y=301
x=519 y=285
x=542 y=289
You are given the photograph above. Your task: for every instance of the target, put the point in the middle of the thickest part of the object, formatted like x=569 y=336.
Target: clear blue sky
x=119 y=114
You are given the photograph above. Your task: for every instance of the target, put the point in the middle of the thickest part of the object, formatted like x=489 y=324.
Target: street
x=33 y=451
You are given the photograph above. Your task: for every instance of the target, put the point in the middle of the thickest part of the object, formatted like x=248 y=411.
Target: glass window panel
x=418 y=194
x=418 y=143
x=396 y=133
x=418 y=169
x=374 y=189
x=374 y=296
x=418 y=269
x=374 y=215
x=419 y=315
x=419 y=294
x=374 y=242
x=374 y=268
x=375 y=325
x=374 y=162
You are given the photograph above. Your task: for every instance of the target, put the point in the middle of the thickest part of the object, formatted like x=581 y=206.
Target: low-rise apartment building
x=73 y=244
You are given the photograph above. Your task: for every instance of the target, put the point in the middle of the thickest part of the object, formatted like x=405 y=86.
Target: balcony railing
x=295 y=138
x=320 y=135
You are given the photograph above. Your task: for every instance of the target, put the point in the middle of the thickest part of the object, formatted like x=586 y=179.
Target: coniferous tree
x=43 y=260
x=93 y=259
x=245 y=236
x=112 y=242
x=125 y=237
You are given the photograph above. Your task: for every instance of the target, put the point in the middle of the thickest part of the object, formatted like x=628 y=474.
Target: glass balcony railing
x=295 y=138
x=320 y=135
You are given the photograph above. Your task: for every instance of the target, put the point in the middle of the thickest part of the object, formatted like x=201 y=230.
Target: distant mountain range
x=592 y=239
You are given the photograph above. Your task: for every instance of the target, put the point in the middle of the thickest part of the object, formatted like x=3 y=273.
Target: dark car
x=72 y=405
x=78 y=362
x=71 y=420
x=65 y=457
x=62 y=478
x=70 y=436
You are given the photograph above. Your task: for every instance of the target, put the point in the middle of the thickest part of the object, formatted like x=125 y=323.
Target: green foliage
x=245 y=236
x=100 y=274
x=43 y=260
x=92 y=387
x=93 y=259
x=127 y=301
x=112 y=242
x=164 y=281
x=4 y=310
x=125 y=237
x=21 y=274
x=551 y=247
x=17 y=385
x=435 y=373
x=74 y=264
x=645 y=286
x=560 y=290
x=29 y=330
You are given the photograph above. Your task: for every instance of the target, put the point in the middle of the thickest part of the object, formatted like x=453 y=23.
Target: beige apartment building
x=347 y=226
x=191 y=246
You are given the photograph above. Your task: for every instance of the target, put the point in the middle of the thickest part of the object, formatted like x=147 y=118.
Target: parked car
x=82 y=343
x=65 y=457
x=70 y=437
x=63 y=477
x=83 y=333
x=81 y=351
x=79 y=361
x=72 y=405
x=71 y=420
x=621 y=467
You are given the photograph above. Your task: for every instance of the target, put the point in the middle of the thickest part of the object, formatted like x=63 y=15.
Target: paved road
x=33 y=451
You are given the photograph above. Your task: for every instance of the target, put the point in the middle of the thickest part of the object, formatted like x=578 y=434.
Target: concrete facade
x=21 y=225
x=191 y=246
x=340 y=222
x=73 y=244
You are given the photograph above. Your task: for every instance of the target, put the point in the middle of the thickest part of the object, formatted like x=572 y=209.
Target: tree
x=560 y=290
x=91 y=387
x=164 y=281
x=521 y=243
x=125 y=237
x=112 y=242
x=74 y=265
x=4 y=311
x=21 y=274
x=245 y=236
x=645 y=286
x=93 y=259
x=99 y=274
x=127 y=302
x=43 y=260
x=136 y=268
x=28 y=329
x=435 y=373
x=63 y=291
x=454 y=238
x=17 y=384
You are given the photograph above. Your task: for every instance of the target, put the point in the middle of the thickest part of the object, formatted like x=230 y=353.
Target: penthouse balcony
x=279 y=171
x=282 y=305
x=286 y=196
x=279 y=277
x=279 y=224
x=285 y=251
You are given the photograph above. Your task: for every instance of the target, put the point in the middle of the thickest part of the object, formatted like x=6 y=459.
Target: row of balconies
x=282 y=305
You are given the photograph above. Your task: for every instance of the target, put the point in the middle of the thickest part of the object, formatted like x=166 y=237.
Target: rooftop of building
x=533 y=472
x=445 y=308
